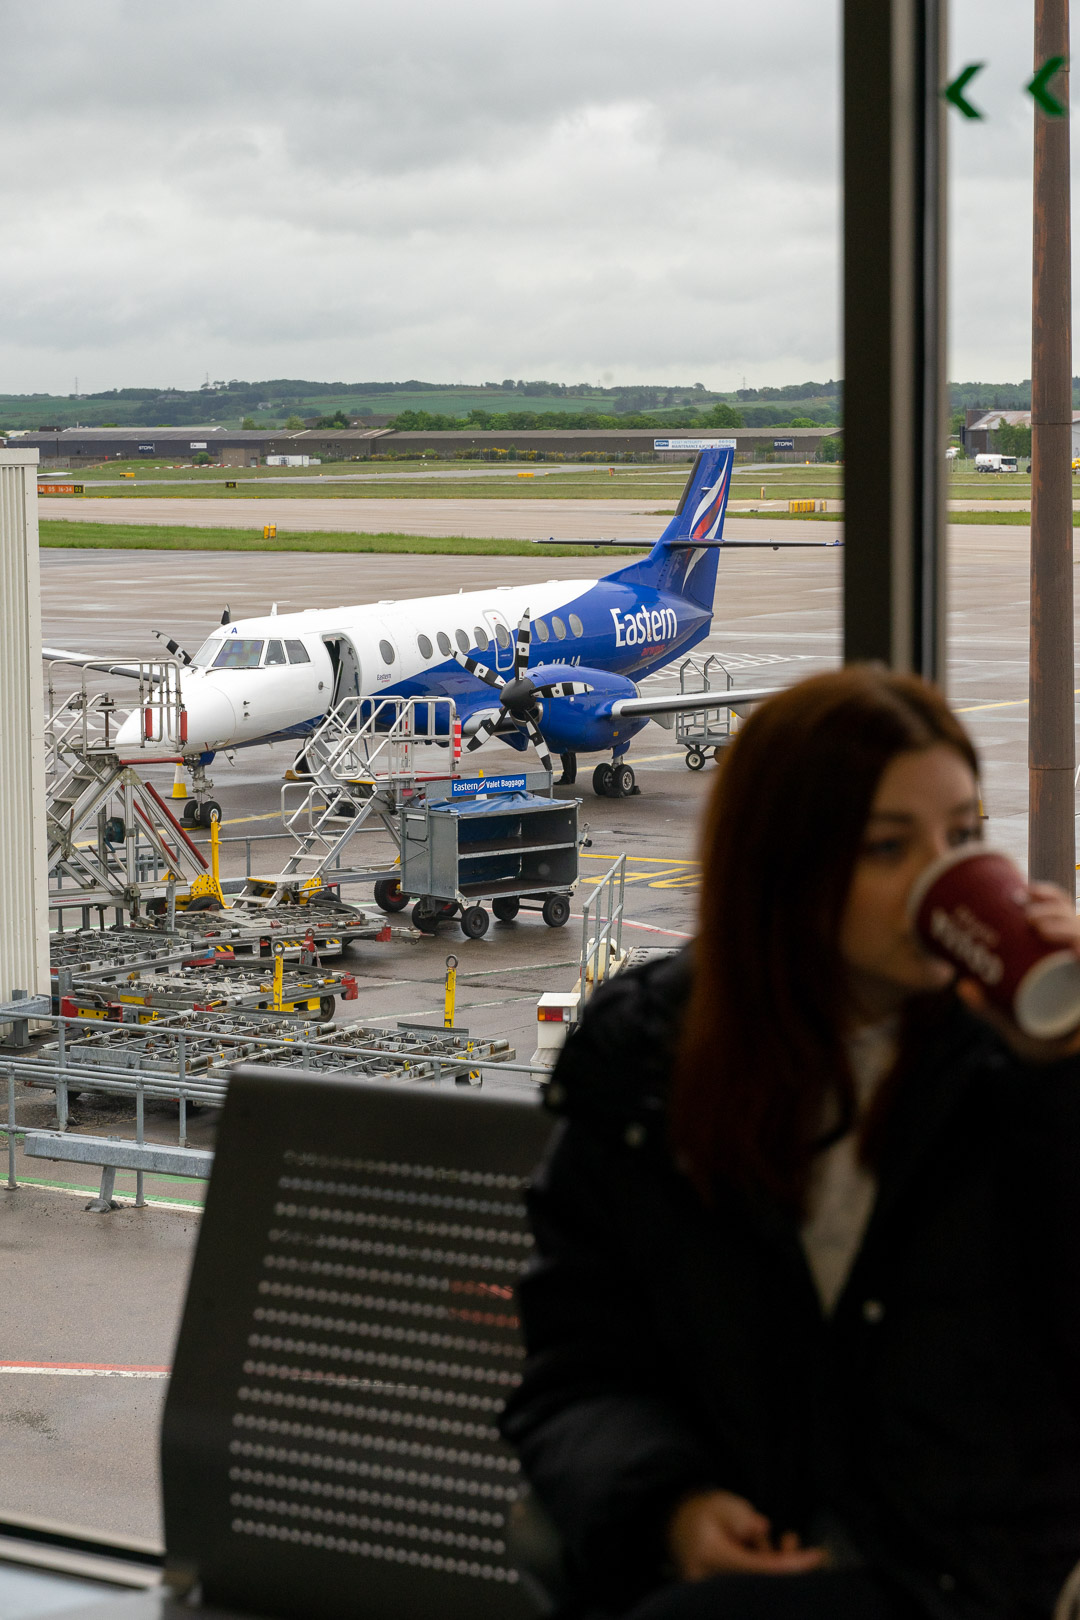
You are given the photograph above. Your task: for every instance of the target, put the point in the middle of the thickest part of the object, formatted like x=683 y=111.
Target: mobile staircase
x=111 y=838
x=368 y=758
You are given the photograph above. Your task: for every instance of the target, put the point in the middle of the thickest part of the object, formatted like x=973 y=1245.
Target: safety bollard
x=451 y=992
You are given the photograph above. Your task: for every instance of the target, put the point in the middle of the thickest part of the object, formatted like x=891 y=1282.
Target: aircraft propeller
x=174 y=647
x=518 y=696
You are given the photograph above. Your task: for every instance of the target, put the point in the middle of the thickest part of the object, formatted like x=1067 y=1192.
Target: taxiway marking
x=81 y=1369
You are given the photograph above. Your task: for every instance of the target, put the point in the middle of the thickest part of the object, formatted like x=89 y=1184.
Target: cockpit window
x=239 y=654
x=298 y=653
x=205 y=655
x=275 y=652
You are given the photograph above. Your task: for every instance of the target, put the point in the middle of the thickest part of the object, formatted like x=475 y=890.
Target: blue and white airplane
x=554 y=666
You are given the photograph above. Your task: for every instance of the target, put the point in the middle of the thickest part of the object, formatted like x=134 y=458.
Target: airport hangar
x=236 y=448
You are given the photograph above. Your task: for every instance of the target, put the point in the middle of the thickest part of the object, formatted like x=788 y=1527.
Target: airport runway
x=509 y=519
x=104 y=1290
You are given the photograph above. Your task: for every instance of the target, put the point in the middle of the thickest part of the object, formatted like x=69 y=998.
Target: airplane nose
x=211 y=723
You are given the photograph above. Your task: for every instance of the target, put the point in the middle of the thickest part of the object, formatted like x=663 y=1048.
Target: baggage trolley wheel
x=425 y=916
x=602 y=779
x=695 y=759
x=388 y=896
x=327 y=1008
x=718 y=754
x=474 y=922
x=556 y=910
x=506 y=909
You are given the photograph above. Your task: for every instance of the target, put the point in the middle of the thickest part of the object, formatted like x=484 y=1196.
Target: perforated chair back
x=350 y=1335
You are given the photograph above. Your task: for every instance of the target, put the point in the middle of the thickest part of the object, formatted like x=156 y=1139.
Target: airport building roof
x=85 y=443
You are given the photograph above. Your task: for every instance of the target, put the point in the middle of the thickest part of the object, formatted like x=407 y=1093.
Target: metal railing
x=187 y=1060
x=601 y=928
x=374 y=741
x=80 y=723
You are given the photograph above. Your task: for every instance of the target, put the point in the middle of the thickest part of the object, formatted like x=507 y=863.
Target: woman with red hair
x=803 y=1325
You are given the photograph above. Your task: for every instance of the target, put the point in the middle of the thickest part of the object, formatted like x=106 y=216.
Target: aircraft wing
x=735 y=697
x=717 y=545
x=87 y=661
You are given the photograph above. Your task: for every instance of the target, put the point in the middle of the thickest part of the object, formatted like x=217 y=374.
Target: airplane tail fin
x=684 y=558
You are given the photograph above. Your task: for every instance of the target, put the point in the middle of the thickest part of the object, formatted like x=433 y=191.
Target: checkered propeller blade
x=521 y=650
x=486 y=729
x=564 y=689
x=539 y=744
x=481 y=671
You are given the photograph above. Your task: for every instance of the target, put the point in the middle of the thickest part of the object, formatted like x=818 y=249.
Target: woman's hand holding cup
x=1015 y=946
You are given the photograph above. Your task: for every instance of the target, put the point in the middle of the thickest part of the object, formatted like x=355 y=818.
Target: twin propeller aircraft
x=554 y=666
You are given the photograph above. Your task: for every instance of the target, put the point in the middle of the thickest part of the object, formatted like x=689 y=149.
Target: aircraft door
x=347 y=671
x=503 y=638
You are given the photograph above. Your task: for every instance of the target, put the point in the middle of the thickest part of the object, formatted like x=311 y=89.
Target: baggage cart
x=513 y=849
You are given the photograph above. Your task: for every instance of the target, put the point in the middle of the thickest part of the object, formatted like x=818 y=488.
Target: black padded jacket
x=674 y=1346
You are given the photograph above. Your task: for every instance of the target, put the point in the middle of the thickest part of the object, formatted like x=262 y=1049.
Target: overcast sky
x=348 y=190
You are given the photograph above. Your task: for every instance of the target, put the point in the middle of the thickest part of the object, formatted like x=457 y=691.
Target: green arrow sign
x=1036 y=88
x=954 y=92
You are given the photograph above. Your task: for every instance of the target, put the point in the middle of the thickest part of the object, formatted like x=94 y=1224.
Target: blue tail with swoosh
x=683 y=560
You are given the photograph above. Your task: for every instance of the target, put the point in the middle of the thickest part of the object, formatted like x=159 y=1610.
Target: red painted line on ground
x=82 y=1366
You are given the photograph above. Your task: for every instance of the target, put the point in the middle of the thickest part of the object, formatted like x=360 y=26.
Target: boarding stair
x=367 y=758
x=111 y=839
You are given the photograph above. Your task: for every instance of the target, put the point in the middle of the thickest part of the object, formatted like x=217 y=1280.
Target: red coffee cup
x=968 y=907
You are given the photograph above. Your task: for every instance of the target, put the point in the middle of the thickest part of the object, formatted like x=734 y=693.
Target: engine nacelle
x=584 y=723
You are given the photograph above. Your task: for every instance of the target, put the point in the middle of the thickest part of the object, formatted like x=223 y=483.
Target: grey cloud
x=364 y=189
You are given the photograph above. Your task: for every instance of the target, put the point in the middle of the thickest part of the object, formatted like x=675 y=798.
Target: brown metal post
x=1051 y=732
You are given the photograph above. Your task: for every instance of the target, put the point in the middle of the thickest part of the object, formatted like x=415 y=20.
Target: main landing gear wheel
x=506 y=909
x=556 y=910
x=695 y=759
x=601 y=780
x=622 y=782
x=388 y=896
x=474 y=922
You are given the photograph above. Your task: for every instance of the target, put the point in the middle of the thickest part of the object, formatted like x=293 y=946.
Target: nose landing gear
x=200 y=809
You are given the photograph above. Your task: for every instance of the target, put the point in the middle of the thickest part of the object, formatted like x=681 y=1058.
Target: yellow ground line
x=657 y=860
x=1015 y=703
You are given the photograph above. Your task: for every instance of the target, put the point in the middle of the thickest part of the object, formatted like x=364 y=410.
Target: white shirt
x=842 y=1191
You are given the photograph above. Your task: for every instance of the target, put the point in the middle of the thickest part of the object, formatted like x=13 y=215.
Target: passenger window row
x=482 y=640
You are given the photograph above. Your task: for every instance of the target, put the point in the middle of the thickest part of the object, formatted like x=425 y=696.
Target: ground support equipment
x=367 y=758
x=511 y=848
x=706 y=730
x=308 y=991
x=111 y=838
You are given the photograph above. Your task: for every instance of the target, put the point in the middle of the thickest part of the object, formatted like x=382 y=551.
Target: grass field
x=156 y=537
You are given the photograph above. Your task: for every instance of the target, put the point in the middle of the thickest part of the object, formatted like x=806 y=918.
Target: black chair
x=329 y=1449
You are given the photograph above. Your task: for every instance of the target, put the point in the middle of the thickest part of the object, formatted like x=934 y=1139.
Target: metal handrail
x=602 y=912
x=373 y=740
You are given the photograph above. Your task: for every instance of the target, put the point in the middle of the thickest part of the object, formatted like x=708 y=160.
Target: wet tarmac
x=103 y=1292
